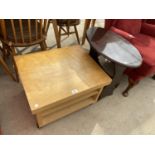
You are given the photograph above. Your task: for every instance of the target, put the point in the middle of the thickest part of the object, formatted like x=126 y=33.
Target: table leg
x=93 y=54
x=93 y=22
x=118 y=73
x=86 y=26
x=57 y=37
x=131 y=84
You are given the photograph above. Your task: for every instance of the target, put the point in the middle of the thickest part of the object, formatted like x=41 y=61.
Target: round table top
x=114 y=47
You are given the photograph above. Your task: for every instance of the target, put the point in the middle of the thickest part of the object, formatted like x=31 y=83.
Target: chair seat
x=69 y=22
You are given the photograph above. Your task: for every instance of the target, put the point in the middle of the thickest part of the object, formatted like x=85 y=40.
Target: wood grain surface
x=60 y=76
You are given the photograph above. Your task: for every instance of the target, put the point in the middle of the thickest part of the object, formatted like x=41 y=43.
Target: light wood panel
x=54 y=78
x=44 y=120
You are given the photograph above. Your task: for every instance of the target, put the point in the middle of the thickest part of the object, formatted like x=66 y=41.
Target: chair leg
x=77 y=35
x=60 y=33
x=86 y=26
x=13 y=53
x=48 y=25
x=55 y=27
x=93 y=22
x=6 y=69
x=131 y=84
x=5 y=52
x=43 y=45
x=68 y=30
x=153 y=77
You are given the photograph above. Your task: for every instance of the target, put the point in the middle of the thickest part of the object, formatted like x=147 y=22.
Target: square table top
x=53 y=75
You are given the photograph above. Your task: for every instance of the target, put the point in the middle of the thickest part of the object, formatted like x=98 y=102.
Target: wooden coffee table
x=60 y=81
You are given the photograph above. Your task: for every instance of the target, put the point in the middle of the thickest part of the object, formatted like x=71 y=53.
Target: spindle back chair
x=22 y=33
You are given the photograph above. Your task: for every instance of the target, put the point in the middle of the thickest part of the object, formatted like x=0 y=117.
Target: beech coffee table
x=118 y=52
x=60 y=81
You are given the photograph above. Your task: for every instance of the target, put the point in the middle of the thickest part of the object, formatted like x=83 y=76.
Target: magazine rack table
x=60 y=81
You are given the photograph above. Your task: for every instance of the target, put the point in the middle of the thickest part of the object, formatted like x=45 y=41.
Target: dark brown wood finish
x=55 y=27
x=67 y=23
x=86 y=26
x=131 y=84
x=58 y=26
x=119 y=52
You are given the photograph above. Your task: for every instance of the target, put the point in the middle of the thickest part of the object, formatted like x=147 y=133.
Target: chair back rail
x=23 y=32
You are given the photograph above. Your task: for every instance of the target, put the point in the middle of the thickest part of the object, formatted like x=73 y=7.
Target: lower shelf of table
x=51 y=114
